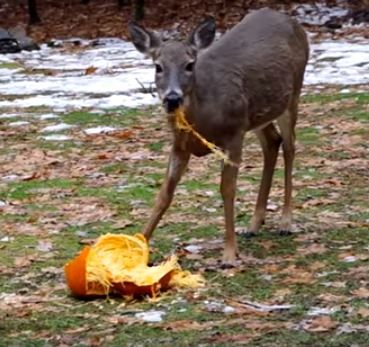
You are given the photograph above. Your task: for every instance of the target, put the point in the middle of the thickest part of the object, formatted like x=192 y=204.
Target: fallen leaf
x=232 y=339
x=317 y=265
x=297 y=275
x=90 y=70
x=122 y=223
x=24 y=261
x=331 y=298
x=126 y=320
x=184 y=325
x=103 y=156
x=320 y=324
x=121 y=134
x=77 y=330
x=317 y=202
x=363 y=312
x=361 y=293
x=280 y=294
x=270 y=268
x=314 y=248
x=335 y=284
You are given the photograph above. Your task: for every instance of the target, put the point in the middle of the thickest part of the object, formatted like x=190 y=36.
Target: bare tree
x=32 y=11
x=139 y=12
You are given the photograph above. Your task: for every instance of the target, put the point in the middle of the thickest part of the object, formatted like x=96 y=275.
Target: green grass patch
x=10 y=65
x=321 y=98
x=123 y=117
x=309 y=136
x=25 y=189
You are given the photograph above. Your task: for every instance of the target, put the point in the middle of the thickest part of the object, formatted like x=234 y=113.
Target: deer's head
x=175 y=61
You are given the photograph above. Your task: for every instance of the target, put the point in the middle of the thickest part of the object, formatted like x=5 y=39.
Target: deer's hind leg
x=286 y=124
x=270 y=141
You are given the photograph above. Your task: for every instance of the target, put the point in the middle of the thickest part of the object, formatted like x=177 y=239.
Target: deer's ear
x=204 y=34
x=145 y=41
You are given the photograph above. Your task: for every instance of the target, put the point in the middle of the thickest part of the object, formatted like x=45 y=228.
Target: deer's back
x=254 y=70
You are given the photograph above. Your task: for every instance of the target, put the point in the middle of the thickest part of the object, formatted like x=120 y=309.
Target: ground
x=56 y=196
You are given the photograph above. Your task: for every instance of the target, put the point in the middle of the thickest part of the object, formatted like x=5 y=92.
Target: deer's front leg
x=228 y=191
x=178 y=161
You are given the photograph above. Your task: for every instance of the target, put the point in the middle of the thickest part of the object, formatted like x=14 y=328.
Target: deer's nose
x=172 y=101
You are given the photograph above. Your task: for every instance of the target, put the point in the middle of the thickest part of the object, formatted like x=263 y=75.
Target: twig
x=145 y=90
x=263 y=307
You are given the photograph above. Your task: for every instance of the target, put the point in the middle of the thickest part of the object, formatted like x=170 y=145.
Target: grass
x=10 y=65
x=360 y=98
x=124 y=117
x=103 y=174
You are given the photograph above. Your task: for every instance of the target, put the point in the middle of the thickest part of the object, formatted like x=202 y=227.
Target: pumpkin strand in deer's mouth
x=182 y=124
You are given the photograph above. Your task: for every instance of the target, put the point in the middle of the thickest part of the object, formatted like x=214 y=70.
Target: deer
x=249 y=79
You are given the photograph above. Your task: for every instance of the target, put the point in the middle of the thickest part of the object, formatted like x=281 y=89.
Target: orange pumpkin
x=118 y=264
x=75 y=273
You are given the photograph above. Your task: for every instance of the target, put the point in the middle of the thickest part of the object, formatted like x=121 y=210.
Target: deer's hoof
x=229 y=259
x=227 y=265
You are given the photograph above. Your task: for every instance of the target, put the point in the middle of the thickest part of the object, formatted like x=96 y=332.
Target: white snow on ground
x=56 y=137
x=318 y=13
x=18 y=123
x=99 y=130
x=122 y=71
x=121 y=74
x=57 y=127
x=78 y=101
x=48 y=116
x=338 y=62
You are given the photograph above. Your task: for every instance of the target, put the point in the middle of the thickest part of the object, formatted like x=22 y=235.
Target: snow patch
x=338 y=62
x=150 y=316
x=318 y=311
x=99 y=130
x=124 y=77
x=48 y=116
x=56 y=137
x=350 y=259
x=18 y=124
x=57 y=127
x=193 y=249
x=318 y=13
x=121 y=71
x=72 y=103
x=10 y=178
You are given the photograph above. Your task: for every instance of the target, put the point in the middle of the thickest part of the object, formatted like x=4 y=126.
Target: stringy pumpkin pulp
x=118 y=264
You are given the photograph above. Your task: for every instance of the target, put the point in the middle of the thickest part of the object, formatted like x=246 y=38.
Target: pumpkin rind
x=118 y=264
x=75 y=273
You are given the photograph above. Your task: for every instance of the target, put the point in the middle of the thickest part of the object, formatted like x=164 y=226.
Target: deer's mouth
x=172 y=101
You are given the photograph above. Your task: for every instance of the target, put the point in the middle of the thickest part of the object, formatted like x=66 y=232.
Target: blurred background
x=45 y=19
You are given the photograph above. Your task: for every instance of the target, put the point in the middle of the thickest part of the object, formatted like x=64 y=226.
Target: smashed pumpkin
x=118 y=263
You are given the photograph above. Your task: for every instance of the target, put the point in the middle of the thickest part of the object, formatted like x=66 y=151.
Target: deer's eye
x=158 y=68
x=189 y=67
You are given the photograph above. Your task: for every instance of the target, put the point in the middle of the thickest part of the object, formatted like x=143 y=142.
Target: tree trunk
x=139 y=11
x=32 y=11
